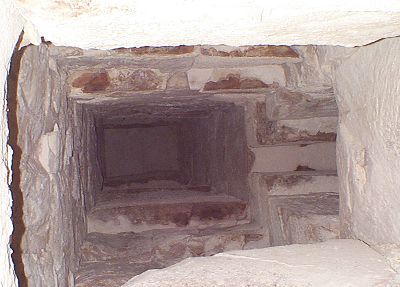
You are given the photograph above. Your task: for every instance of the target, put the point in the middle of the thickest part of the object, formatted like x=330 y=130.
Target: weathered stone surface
x=313 y=228
x=137 y=79
x=369 y=143
x=234 y=82
x=338 y=263
x=112 y=259
x=300 y=130
x=284 y=104
x=122 y=79
x=250 y=51
x=92 y=82
x=303 y=217
x=392 y=254
x=52 y=219
x=166 y=209
x=162 y=246
x=297 y=183
x=236 y=78
x=157 y=51
x=178 y=81
x=111 y=273
x=295 y=158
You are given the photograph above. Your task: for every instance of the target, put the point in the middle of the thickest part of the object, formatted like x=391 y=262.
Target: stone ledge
x=284 y=104
x=295 y=158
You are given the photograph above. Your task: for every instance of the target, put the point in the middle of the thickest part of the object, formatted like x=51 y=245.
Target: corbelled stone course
x=157 y=51
x=283 y=104
x=165 y=209
x=252 y=51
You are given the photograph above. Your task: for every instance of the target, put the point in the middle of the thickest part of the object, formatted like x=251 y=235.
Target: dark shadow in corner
x=17 y=196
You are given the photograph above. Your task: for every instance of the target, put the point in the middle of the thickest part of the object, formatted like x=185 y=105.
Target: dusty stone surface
x=368 y=143
x=392 y=254
x=332 y=263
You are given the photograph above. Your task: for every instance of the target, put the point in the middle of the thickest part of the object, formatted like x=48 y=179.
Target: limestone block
x=245 y=56
x=198 y=77
x=249 y=51
x=178 y=81
x=121 y=79
x=236 y=78
x=156 y=51
x=313 y=228
x=309 y=212
x=333 y=263
x=299 y=130
x=317 y=156
x=110 y=24
x=369 y=143
x=283 y=104
x=296 y=184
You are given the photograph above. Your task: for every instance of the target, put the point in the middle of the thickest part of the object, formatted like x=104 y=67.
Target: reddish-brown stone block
x=92 y=82
x=234 y=82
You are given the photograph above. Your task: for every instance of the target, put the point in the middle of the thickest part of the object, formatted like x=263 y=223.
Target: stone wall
x=54 y=170
x=368 y=143
x=10 y=27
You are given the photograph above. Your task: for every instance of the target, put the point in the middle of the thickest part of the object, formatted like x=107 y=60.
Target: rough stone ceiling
x=107 y=24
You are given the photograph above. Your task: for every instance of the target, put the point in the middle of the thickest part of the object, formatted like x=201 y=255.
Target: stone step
x=112 y=259
x=120 y=211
